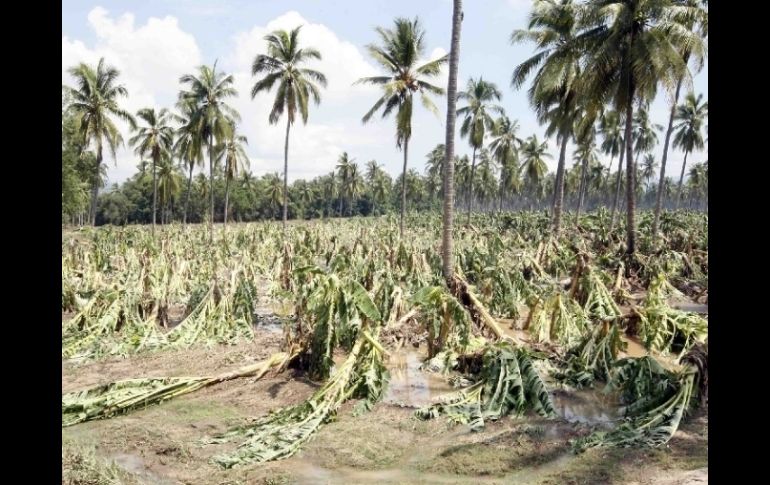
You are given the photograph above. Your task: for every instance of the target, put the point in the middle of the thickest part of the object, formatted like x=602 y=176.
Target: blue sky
x=153 y=43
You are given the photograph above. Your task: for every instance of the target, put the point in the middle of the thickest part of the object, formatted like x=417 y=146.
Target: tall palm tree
x=168 y=184
x=631 y=47
x=587 y=156
x=505 y=150
x=691 y=115
x=553 y=26
x=447 y=257
x=355 y=186
x=462 y=174
x=380 y=187
x=644 y=132
x=649 y=167
x=434 y=170
x=477 y=121
x=233 y=152
x=375 y=179
x=188 y=147
x=154 y=140
x=698 y=22
x=330 y=190
x=296 y=85
x=610 y=127
x=344 y=173
x=94 y=102
x=399 y=54
x=533 y=165
x=212 y=117
x=275 y=192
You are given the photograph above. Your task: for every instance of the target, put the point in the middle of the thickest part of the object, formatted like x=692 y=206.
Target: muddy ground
x=161 y=445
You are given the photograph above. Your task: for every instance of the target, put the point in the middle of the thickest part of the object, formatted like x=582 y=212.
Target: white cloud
x=150 y=58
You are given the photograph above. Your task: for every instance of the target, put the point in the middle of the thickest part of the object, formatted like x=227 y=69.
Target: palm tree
x=447 y=257
x=399 y=54
x=154 y=140
x=553 y=26
x=295 y=86
x=505 y=150
x=188 y=148
x=233 y=151
x=587 y=156
x=462 y=174
x=649 y=167
x=644 y=132
x=375 y=180
x=612 y=145
x=478 y=95
x=212 y=117
x=691 y=116
x=94 y=103
x=701 y=18
x=380 y=189
x=533 y=167
x=434 y=170
x=275 y=192
x=631 y=47
x=168 y=184
x=330 y=190
x=345 y=168
x=355 y=186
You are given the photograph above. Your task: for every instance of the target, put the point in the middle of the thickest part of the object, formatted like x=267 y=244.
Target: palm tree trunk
x=342 y=198
x=616 y=201
x=582 y=189
x=154 y=189
x=659 y=198
x=95 y=186
x=470 y=189
x=211 y=187
x=681 y=180
x=447 y=257
x=227 y=199
x=630 y=174
x=187 y=197
x=403 y=190
x=285 y=175
x=558 y=196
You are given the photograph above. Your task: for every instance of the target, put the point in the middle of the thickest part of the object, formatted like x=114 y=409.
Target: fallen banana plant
x=281 y=433
x=594 y=358
x=506 y=383
x=656 y=400
x=121 y=397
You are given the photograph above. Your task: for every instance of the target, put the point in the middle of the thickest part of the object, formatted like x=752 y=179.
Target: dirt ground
x=161 y=444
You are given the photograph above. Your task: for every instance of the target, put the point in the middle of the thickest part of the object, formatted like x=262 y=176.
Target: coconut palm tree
x=690 y=115
x=212 y=118
x=296 y=85
x=447 y=257
x=533 y=164
x=233 y=152
x=275 y=192
x=477 y=121
x=188 y=147
x=154 y=140
x=505 y=150
x=400 y=55
x=699 y=23
x=553 y=26
x=610 y=127
x=632 y=46
x=644 y=132
x=94 y=102
x=169 y=184
x=344 y=174
x=649 y=167
x=587 y=156
x=380 y=187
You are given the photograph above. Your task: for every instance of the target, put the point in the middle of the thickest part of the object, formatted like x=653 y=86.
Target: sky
x=153 y=43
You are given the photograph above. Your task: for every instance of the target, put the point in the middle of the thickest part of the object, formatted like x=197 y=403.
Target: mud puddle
x=586 y=406
x=135 y=465
x=409 y=385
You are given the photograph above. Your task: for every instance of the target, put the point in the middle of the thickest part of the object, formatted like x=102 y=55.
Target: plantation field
x=545 y=361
